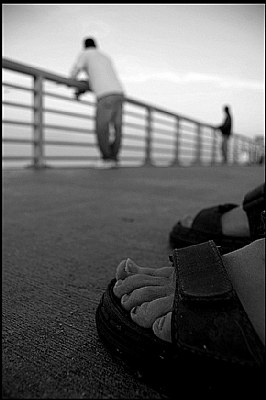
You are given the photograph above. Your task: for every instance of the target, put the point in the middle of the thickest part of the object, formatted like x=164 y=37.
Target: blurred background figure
x=226 y=130
x=108 y=89
x=260 y=149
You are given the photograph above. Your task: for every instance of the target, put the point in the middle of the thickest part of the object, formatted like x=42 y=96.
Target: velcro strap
x=201 y=274
x=208 y=319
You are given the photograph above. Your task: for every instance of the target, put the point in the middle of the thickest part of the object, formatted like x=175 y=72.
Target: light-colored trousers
x=109 y=114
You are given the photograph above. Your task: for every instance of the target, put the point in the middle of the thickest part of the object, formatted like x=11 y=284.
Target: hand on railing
x=80 y=91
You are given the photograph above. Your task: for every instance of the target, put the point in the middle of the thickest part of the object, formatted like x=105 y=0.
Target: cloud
x=135 y=75
x=243 y=84
x=224 y=82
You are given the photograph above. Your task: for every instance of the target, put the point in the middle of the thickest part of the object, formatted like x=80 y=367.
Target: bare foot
x=148 y=293
x=234 y=222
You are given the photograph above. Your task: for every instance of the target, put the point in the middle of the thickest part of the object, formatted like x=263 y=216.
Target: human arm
x=225 y=127
x=77 y=67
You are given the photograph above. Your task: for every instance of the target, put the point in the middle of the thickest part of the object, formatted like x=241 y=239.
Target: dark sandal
x=214 y=346
x=207 y=225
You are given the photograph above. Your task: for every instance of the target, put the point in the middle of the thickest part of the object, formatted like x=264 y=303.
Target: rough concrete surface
x=64 y=232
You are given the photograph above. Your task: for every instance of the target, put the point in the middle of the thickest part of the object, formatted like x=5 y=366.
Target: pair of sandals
x=214 y=346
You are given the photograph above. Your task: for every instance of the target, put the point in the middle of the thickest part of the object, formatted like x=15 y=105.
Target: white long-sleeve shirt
x=102 y=76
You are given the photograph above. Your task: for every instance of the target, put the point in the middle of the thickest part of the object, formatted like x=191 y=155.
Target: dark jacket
x=226 y=127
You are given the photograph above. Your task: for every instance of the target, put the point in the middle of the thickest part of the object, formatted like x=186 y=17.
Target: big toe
x=120 y=270
x=125 y=268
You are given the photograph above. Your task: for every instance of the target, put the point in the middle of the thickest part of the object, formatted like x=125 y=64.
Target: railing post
x=176 y=159
x=214 y=145
x=148 y=136
x=235 y=150
x=38 y=151
x=252 y=152
x=198 y=145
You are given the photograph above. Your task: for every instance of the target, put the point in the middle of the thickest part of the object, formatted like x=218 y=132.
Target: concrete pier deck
x=64 y=232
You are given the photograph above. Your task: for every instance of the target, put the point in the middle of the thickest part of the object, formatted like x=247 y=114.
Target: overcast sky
x=190 y=59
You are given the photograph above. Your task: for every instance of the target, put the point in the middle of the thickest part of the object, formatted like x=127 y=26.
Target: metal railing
x=151 y=135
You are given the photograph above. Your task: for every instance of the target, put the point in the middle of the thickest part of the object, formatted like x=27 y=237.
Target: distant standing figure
x=109 y=92
x=226 y=129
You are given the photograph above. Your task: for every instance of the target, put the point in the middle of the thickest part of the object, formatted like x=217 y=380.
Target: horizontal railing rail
x=151 y=135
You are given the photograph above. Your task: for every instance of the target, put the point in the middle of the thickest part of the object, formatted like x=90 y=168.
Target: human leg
x=225 y=148
x=231 y=226
x=103 y=118
x=117 y=124
x=234 y=222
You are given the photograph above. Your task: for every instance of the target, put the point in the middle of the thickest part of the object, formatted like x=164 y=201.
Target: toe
x=163 y=272
x=132 y=268
x=128 y=267
x=143 y=295
x=162 y=327
x=146 y=314
x=120 y=270
x=125 y=268
x=132 y=282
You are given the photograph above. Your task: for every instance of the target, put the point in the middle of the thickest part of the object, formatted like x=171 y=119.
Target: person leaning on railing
x=104 y=82
x=226 y=129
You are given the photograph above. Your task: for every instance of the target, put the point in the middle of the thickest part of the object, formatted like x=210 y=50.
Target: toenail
x=118 y=283
x=134 y=310
x=125 y=298
x=161 y=322
x=129 y=265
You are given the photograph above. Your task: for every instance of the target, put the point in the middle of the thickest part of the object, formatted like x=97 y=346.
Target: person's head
x=89 y=42
x=226 y=109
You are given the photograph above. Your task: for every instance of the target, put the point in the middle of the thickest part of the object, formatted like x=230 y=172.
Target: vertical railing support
x=252 y=152
x=38 y=150
x=176 y=159
x=198 y=145
x=148 y=137
x=214 y=145
x=235 y=150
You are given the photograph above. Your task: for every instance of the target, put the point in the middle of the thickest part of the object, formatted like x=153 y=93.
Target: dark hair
x=89 y=42
x=226 y=109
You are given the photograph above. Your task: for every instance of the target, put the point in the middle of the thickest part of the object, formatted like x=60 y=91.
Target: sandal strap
x=208 y=318
x=254 y=204
x=209 y=219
